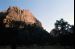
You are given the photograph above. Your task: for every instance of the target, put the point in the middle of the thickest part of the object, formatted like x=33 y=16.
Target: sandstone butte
x=16 y=14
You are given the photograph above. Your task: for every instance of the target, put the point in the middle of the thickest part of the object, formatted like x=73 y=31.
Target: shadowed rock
x=21 y=27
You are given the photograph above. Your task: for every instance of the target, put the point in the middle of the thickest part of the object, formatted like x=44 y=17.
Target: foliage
x=63 y=33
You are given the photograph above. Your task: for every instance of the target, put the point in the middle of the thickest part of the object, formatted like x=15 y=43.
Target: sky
x=46 y=11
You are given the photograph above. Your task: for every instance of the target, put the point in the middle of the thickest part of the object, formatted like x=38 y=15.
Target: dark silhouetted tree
x=63 y=33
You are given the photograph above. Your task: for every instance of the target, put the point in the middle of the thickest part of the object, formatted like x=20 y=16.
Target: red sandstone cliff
x=16 y=14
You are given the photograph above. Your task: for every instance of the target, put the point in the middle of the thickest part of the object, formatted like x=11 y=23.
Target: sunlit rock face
x=16 y=14
x=22 y=25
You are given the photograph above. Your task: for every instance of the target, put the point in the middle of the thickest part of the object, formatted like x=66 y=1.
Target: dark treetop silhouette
x=63 y=33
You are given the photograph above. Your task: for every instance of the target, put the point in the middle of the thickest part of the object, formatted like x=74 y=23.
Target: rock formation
x=21 y=27
x=16 y=14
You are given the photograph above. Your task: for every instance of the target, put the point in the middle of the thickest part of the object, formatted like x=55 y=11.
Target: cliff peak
x=16 y=14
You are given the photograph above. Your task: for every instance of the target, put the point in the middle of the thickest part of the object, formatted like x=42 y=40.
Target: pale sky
x=46 y=11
